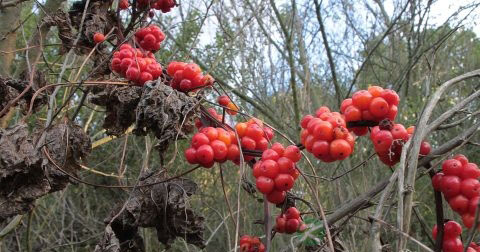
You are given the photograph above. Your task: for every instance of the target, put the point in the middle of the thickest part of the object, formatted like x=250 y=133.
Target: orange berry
x=361 y=99
x=233 y=109
x=340 y=149
x=376 y=91
x=241 y=129
x=379 y=107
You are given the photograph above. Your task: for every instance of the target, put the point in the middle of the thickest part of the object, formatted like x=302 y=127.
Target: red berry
x=292 y=226
x=285 y=165
x=248 y=143
x=425 y=148
x=199 y=139
x=98 y=38
x=452 y=167
x=340 y=149
x=470 y=187
x=379 y=107
x=123 y=4
x=321 y=149
x=292 y=213
x=472 y=204
x=470 y=170
x=233 y=152
x=284 y=182
x=220 y=150
x=254 y=131
x=361 y=99
x=293 y=153
x=270 y=168
x=265 y=185
x=345 y=104
x=305 y=121
x=353 y=114
x=452 y=245
x=450 y=185
x=323 y=131
x=391 y=97
x=276 y=197
x=270 y=154
x=191 y=70
x=468 y=220
x=280 y=224
x=399 y=132
x=383 y=141
x=461 y=158
x=205 y=154
x=262 y=144
x=223 y=100
x=278 y=147
x=376 y=91
x=190 y=155
x=459 y=204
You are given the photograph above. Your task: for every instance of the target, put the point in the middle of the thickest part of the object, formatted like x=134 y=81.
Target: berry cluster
x=162 y=5
x=374 y=104
x=213 y=113
x=98 y=38
x=254 y=135
x=251 y=244
x=459 y=184
x=276 y=173
x=226 y=102
x=451 y=236
x=290 y=222
x=212 y=145
x=325 y=135
x=150 y=38
x=187 y=77
x=134 y=65
x=388 y=140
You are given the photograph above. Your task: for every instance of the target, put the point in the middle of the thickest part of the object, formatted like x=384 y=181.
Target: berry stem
x=353 y=124
x=438 y=212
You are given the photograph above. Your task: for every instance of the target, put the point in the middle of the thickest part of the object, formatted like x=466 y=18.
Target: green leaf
x=314 y=233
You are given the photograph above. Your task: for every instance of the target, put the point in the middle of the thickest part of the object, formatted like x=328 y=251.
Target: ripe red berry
x=220 y=150
x=270 y=169
x=199 y=139
x=284 y=182
x=390 y=96
x=452 y=167
x=98 y=38
x=305 y=120
x=470 y=170
x=292 y=213
x=452 y=245
x=255 y=132
x=278 y=147
x=223 y=100
x=340 y=149
x=376 y=91
x=276 y=197
x=461 y=158
x=323 y=131
x=248 y=143
x=379 y=107
x=205 y=154
x=470 y=187
x=285 y=165
x=383 y=141
x=321 y=149
x=436 y=180
x=353 y=114
x=450 y=186
x=190 y=155
x=280 y=224
x=292 y=226
x=262 y=144
x=345 y=103
x=361 y=99
x=459 y=204
x=123 y=4
x=233 y=152
x=270 y=154
x=265 y=185
x=293 y=153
